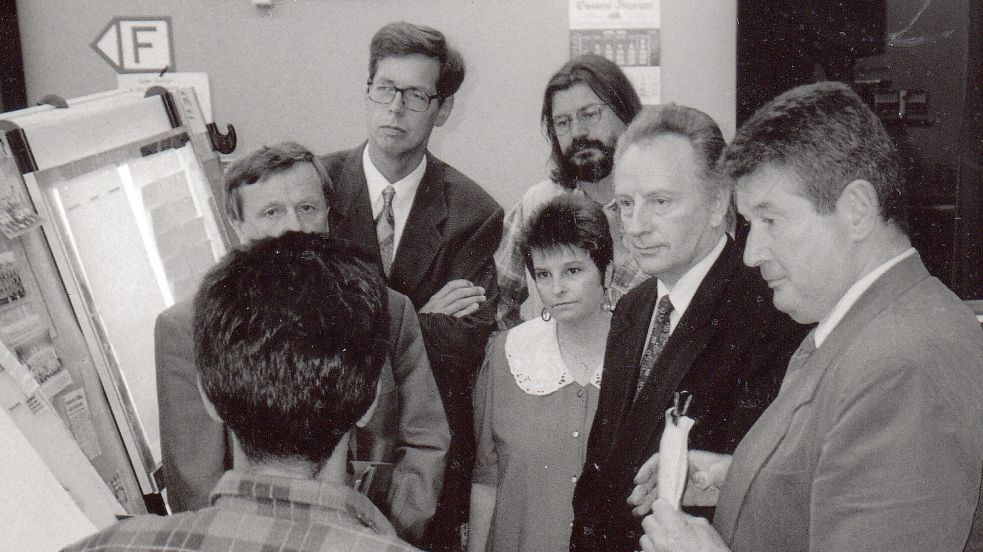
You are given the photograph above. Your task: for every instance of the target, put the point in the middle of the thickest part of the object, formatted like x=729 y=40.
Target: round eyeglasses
x=413 y=99
x=588 y=115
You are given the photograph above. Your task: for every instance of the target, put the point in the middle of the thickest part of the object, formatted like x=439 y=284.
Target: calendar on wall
x=626 y=32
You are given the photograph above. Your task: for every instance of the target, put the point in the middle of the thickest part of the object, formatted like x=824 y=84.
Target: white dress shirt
x=682 y=292
x=826 y=325
x=405 y=192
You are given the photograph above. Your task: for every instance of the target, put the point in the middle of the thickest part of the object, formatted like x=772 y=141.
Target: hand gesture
x=707 y=471
x=457 y=298
x=667 y=530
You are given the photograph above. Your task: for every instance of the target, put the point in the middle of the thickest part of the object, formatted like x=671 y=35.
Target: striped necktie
x=385 y=229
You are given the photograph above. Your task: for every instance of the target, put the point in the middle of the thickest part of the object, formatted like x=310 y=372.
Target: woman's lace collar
x=533 y=355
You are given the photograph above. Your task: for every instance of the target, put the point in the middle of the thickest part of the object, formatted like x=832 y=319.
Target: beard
x=587 y=160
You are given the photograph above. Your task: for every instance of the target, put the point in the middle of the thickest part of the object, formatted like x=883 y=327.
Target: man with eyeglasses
x=431 y=230
x=587 y=105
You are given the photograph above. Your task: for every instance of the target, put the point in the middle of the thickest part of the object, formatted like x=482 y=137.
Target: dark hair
x=287 y=343
x=405 y=39
x=569 y=220
x=605 y=79
x=263 y=162
x=697 y=127
x=828 y=137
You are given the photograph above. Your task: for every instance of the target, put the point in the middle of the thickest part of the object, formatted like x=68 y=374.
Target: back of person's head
x=406 y=39
x=289 y=343
x=827 y=136
x=695 y=126
x=263 y=162
x=568 y=220
x=603 y=77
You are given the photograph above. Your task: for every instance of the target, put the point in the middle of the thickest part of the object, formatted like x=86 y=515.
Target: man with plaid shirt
x=587 y=105
x=288 y=355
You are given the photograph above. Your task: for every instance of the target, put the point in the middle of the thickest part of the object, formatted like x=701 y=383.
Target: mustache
x=571 y=169
x=582 y=143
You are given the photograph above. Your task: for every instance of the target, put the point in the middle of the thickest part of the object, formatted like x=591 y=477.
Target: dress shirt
x=682 y=292
x=405 y=192
x=826 y=325
x=252 y=511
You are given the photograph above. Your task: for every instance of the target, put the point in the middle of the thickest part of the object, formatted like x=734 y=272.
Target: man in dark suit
x=431 y=229
x=703 y=323
x=875 y=440
x=270 y=191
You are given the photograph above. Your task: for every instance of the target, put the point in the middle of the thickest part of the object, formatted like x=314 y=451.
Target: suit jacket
x=408 y=426
x=452 y=231
x=730 y=350
x=875 y=441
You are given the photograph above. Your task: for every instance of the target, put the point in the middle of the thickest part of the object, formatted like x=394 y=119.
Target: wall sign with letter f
x=137 y=44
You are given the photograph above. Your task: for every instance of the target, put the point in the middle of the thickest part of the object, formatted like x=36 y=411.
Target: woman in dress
x=537 y=392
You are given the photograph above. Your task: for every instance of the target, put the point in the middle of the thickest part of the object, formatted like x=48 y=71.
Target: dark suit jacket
x=730 y=350
x=452 y=231
x=875 y=441
x=408 y=426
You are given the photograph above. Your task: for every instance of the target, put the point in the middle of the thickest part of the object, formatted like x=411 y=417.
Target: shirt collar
x=682 y=293
x=289 y=497
x=533 y=354
x=826 y=325
x=405 y=187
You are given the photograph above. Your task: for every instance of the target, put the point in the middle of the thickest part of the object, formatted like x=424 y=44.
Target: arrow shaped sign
x=137 y=45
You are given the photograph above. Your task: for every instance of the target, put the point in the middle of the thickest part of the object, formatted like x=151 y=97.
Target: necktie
x=800 y=356
x=657 y=341
x=385 y=229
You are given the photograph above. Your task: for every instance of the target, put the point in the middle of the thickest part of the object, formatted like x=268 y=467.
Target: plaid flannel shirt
x=257 y=513
x=513 y=286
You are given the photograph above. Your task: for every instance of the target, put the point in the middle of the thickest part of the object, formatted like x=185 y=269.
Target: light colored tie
x=385 y=229
x=799 y=357
x=656 y=342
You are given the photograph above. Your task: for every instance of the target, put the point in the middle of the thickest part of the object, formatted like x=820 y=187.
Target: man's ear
x=444 y=111
x=719 y=205
x=364 y=420
x=237 y=228
x=209 y=407
x=858 y=208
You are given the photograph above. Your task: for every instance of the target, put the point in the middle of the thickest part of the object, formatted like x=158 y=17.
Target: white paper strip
x=672 y=460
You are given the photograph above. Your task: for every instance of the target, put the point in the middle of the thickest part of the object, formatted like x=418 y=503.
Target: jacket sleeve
x=193 y=445
x=459 y=343
x=424 y=435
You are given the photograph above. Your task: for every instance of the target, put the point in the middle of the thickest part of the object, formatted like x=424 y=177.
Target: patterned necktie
x=657 y=340
x=385 y=229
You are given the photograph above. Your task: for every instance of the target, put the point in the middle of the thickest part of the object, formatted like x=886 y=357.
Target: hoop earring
x=607 y=305
x=545 y=315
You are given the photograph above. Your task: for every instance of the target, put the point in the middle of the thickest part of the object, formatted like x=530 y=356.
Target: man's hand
x=667 y=530
x=707 y=471
x=457 y=298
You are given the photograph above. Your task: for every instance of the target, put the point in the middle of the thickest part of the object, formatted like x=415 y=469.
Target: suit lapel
x=421 y=239
x=687 y=341
x=630 y=337
x=800 y=386
x=351 y=211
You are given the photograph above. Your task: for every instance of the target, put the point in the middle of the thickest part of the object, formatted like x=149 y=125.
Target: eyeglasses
x=413 y=99
x=588 y=115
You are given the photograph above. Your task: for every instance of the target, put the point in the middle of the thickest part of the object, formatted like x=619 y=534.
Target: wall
x=298 y=70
